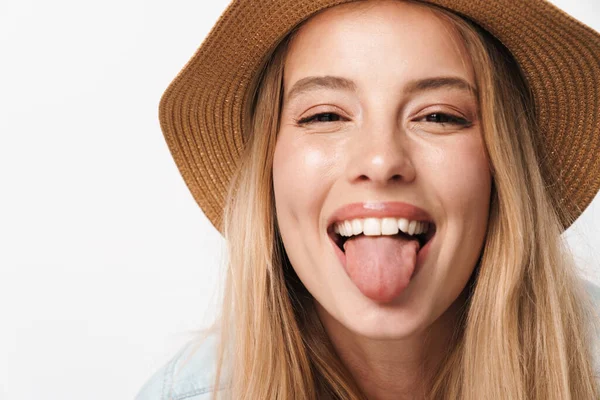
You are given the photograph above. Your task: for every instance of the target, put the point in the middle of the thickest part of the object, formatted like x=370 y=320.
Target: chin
x=380 y=321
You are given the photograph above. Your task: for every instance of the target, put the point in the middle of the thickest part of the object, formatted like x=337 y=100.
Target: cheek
x=302 y=175
x=462 y=180
x=302 y=172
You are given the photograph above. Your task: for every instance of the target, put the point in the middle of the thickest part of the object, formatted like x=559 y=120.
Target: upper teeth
x=380 y=226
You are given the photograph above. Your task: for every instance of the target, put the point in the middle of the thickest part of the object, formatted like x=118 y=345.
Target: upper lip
x=390 y=209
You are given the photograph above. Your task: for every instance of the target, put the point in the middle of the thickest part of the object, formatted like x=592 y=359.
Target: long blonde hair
x=525 y=329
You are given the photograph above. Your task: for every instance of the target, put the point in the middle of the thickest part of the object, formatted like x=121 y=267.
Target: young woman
x=392 y=179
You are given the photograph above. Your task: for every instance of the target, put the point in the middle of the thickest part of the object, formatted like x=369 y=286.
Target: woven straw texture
x=201 y=111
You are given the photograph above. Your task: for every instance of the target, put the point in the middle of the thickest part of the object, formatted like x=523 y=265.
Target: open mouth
x=340 y=234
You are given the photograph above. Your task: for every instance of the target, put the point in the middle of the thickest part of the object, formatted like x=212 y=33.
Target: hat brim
x=202 y=109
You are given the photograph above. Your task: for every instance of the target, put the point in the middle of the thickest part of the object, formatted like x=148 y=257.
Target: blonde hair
x=525 y=329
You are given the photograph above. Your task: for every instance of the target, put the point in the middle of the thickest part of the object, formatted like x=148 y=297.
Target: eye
x=443 y=118
x=320 y=117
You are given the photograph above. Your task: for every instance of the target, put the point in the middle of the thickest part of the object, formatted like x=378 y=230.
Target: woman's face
x=380 y=127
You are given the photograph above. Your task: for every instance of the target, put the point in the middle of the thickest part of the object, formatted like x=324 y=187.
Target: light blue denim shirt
x=190 y=374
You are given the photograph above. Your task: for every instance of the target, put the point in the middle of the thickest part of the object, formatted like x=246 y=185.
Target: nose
x=381 y=156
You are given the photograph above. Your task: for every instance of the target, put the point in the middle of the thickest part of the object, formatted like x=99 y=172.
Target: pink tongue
x=381 y=266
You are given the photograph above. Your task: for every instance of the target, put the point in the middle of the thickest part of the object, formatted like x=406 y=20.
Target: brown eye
x=441 y=118
x=321 y=117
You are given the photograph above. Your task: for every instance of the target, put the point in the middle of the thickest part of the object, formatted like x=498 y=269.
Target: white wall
x=106 y=263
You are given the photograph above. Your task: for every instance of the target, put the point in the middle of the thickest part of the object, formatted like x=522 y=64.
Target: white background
x=107 y=265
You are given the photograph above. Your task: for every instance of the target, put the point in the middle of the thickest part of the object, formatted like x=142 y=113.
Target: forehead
x=382 y=39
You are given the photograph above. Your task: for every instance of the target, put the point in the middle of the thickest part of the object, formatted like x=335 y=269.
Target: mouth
x=342 y=231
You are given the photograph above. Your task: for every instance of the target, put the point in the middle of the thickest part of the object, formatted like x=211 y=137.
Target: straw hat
x=201 y=110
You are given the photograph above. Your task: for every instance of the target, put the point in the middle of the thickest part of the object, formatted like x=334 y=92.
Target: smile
x=380 y=219
x=422 y=231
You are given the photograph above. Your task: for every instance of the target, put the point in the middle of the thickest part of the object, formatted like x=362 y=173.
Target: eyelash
x=312 y=119
x=449 y=119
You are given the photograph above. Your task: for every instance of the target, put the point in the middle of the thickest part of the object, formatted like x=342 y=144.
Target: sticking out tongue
x=381 y=266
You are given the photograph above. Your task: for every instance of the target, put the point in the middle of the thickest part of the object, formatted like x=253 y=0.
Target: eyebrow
x=320 y=82
x=447 y=82
x=338 y=83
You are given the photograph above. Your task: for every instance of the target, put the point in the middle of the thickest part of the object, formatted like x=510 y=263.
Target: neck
x=401 y=368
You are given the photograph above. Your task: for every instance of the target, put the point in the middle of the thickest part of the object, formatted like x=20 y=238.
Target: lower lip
x=421 y=255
